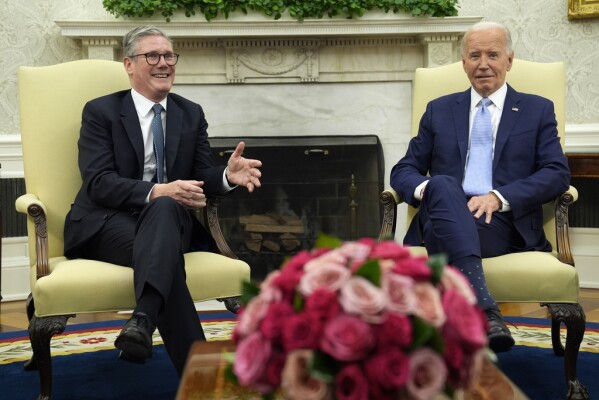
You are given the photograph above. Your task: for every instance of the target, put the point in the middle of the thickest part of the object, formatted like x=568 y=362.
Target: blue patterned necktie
x=158 y=135
x=478 y=179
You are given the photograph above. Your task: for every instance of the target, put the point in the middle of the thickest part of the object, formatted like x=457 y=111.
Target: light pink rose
x=351 y=383
x=427 y=374
x=452 y=278
x=250 y=317
x=355 y=252
x=251 y=355
x=296 y=381
x=399 y=290
x=331 y=257
x=347 y=338
x=428 y=306
x=360 y=297
x=329 y=276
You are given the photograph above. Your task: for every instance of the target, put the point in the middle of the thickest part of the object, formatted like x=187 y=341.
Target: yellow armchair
x=539 y=277
x=51 y=100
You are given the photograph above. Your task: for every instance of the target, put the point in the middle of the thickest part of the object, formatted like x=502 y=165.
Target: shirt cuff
x=505 y=204
x=420 y=190
x=226 y=184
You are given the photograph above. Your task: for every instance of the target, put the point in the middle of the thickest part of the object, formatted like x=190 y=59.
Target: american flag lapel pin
x=515 y=109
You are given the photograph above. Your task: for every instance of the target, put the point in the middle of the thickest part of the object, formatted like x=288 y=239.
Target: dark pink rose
x=389 y=249
x=323 y=303
x=414 y=267
x=274 y=369
x=351 y=384
x=389 y=369
x=272 y=324
x=347 y=338
x=395 y=331
x=301 y=331
x=251 y=356
x=465 y=322
x=427 y=374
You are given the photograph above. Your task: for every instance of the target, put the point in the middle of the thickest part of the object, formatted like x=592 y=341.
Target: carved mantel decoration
x=253 y=49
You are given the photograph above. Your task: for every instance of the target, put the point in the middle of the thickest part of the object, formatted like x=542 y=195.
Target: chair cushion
x=86 y=286
x=529 y=277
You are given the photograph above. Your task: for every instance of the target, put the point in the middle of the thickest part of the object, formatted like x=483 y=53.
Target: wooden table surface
x=204 y=378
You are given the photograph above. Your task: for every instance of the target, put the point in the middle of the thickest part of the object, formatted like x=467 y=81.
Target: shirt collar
x=497 y=97
x=144 y=105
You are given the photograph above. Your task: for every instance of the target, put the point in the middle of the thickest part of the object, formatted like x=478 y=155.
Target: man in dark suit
x=131 y=212
x=463 y=212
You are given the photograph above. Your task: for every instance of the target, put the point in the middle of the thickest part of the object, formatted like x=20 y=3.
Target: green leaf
x=436 y=263
x=421 y=333
x=298 y=302
x=325 y=241
x=249 y=290
x=323 y=367
x=371 y=271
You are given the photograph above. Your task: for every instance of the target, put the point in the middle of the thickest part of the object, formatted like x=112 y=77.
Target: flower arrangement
x=359 y=320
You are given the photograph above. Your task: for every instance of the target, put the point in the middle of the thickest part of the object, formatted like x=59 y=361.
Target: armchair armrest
x=390 y=199
x=562 y=203
x=31 y=205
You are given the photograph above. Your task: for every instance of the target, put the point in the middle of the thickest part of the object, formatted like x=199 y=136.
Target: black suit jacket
x=111 y=154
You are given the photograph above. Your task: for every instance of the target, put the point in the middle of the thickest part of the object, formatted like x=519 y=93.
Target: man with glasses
x=146 y=164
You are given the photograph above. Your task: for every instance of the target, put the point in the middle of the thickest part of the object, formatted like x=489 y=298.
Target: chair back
x=51 y=100
x=544 y=79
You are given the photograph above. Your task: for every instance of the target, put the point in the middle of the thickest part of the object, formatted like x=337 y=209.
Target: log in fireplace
x=310 y=185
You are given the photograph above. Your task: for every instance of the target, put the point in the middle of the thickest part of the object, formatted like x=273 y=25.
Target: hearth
x=310 y=185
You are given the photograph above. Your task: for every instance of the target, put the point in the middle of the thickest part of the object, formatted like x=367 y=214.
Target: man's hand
x=486 y=204
x=187 y=193
x=242 y=171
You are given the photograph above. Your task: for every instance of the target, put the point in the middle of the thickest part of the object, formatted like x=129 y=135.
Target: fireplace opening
x=310 y=185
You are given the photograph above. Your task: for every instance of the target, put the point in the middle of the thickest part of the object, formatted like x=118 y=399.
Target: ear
x=128 y=64
x=510 y=61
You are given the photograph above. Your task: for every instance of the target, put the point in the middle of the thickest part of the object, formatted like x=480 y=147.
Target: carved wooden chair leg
x=31 y=364
x=41 y=331
x=573 y=317
x=232 y=304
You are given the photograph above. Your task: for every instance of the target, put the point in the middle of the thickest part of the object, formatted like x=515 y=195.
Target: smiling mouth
x=161 y=75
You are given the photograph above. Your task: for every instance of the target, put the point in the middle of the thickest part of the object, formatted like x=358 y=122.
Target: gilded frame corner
x=580 y=9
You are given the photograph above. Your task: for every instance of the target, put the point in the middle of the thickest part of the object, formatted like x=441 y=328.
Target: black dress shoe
x=500 y=338
x=135 y=339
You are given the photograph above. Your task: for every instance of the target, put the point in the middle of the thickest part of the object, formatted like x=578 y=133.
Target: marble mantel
x=378 y=47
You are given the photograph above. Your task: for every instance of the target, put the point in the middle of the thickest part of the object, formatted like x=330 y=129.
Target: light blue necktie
x=479 y=169
x=158 y=135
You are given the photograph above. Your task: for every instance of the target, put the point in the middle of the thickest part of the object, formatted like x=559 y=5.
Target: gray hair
x=486 y=26
x=132 y=38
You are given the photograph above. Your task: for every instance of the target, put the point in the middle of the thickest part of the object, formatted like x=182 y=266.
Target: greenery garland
x=298 y=9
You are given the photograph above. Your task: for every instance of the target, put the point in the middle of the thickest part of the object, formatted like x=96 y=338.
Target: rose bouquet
x=359 y=320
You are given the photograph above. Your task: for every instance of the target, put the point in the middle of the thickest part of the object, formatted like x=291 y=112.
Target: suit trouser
x=154 y=242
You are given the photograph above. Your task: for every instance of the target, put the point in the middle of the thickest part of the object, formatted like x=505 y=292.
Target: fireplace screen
x=310 y=185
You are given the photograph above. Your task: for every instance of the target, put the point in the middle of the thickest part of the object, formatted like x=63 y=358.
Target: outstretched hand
x=243 y=171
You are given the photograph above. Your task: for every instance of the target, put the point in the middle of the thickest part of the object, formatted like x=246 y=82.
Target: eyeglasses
x=154 y=58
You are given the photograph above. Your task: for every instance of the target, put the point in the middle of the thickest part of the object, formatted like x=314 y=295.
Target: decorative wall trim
x=583 y=138
x=11 y=156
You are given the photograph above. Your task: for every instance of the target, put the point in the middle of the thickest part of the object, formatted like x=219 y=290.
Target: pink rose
x=428 y=306
x=351 y=384
x=273 y=371
x=301 y=331
x=251 y=356
x=360 y=297
x=347 y=338
x=296 y=381
x=323 y=303
x=465 y=322
x=291 y=273
x=331 y=257
x=395 y=331
x=427 y=374
x=452 y=278
x=389 y=249
x=250 y=317
x=399 y=290
x=329 y=276
x=388 y=369
x=270 y=291
x=272 y=324
x=414 y=267
x=356 y=253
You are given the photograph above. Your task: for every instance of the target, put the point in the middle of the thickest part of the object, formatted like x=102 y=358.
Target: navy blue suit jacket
x=111 y=154
x=529 y=166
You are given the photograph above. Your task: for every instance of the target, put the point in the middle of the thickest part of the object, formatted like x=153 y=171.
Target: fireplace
x=310 y=185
